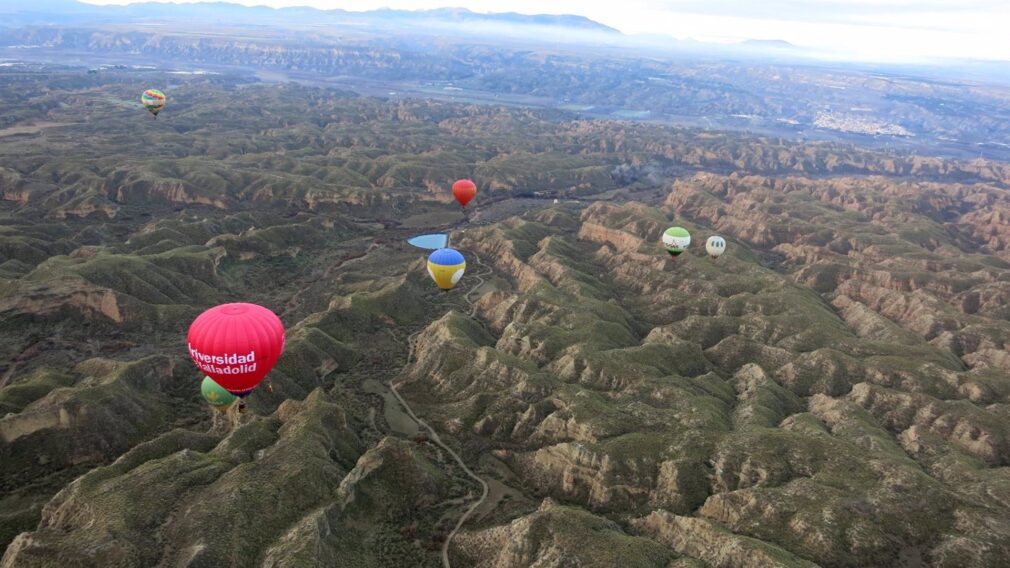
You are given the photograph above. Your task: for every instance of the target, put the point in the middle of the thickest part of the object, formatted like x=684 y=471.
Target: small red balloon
x=464 y=190
x=236 y=345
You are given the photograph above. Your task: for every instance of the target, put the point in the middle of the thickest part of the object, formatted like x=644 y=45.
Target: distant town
x=858 y=124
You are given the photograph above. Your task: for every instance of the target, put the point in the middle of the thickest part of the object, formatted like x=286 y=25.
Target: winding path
x=412 y=344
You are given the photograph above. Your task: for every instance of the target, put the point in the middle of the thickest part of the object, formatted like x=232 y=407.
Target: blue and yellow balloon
x=446 y=267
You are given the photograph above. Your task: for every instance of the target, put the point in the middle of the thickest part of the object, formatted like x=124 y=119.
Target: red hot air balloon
x=236 y=345
x=464 y=190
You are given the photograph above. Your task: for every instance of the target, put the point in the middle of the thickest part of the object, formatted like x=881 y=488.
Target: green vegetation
x=833 y=389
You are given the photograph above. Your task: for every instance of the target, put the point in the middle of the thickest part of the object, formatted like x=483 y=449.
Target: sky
x=863 y=30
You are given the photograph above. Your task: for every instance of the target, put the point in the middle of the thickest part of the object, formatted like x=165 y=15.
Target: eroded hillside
x=833 y=391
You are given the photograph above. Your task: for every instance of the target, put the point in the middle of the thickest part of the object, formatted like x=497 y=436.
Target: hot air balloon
x=153 y=100
x=215 y=394
x=236 y=345
x=446 y=267
x=676 y=240
x=715 y=246
x=464 y=190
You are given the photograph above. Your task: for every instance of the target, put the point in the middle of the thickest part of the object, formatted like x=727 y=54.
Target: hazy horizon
x=917 y=31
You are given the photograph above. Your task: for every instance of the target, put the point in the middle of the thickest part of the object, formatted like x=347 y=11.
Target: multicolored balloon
x=464 y=190
x=153 y=100
x=446 y=266
x=715 y=246
x=236 y=345
x=676 y=240
x=215 y=394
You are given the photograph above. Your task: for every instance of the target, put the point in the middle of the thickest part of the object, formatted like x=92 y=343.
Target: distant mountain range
x=769 y=43
x=19 y=12
x=567 y=28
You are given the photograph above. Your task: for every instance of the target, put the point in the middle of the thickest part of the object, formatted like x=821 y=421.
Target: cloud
x=826 y=10
x=876 y=30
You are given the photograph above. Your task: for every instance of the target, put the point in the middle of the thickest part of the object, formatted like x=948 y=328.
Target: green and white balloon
x=676 y=240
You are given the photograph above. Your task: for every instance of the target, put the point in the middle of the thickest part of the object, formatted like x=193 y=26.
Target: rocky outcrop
x=389 y=483
x=715 y=545
x=973 y=430
x=87 y=302
x=555 y=535
x=63 y=428
x=197 y=485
